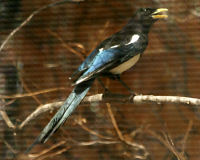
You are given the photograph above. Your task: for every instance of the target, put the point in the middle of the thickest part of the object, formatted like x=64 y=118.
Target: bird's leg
x=125 y=85
x=106 y=90
x=117 y=77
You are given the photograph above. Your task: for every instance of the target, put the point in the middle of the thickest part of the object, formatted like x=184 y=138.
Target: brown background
x=47 y=50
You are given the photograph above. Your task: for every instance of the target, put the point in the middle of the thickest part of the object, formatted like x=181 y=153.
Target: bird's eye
x=142 y=10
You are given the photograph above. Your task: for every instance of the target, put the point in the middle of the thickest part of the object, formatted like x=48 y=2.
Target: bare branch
x=168 y=143
x=166 y=99
x=139 y=99
x=9 y=146
x=41 y=109
x=56 y=153
x=187 y=135
x=31 y=93
x=7 y=120
x=66 y=45
x=120 y=135
x=30 y=17
x=3 y=104
x=136 y=146
x=97 y=142
x=47 y=150
x=53 y=154
x=80 y=122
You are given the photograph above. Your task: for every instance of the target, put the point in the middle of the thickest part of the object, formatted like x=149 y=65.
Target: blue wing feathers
x=64 y=112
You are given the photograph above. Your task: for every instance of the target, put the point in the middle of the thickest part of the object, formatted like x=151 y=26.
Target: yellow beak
x=160 y=13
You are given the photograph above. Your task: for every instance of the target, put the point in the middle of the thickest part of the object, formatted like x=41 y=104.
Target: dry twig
x=30 y=17
x=7 y=119
x=41 y=109
x=9 y=146
x=80 y=122
x=31 y=93
x=168 y=143
x=121 y=137
x=97 y=142
x=47 y=150
x=114 y=122
x=66 y=45
x=186 y=135
x=53 y=154
x=136 y=146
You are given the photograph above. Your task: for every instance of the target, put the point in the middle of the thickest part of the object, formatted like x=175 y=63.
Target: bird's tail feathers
x=64 y=112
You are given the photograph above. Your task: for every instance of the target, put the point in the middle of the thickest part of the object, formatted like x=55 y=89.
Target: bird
x=112 y=56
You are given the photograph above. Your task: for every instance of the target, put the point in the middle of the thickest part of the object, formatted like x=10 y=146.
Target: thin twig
x=7 y=119
x=121 y=137
x=41 y=155
x=66 y=45
x=31 y=93
x=3 y=104
x=80 y=122
x=167 y=144
x=136 y=146
x=53 y=154
x=47 y=150
x=30 y=17
x=9 y=146
x=186 y=135
x=4 y=114
x=114 y=122
x=97 y=142
x=41 y=109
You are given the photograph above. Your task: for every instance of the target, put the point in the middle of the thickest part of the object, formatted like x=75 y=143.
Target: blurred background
x=38 y=59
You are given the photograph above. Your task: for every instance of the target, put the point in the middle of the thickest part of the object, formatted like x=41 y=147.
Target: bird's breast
x=126 y=65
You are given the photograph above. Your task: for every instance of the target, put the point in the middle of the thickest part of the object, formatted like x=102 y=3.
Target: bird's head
x=147 y=16
x=150 y=15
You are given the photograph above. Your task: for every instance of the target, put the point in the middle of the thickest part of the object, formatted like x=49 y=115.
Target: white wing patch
x=115 y=46
x=134 y=38
x=101 y=49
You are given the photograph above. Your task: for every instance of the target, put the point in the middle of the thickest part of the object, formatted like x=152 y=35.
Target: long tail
x=64 y=112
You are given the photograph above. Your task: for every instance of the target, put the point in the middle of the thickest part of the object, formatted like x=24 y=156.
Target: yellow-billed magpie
x=114 y=55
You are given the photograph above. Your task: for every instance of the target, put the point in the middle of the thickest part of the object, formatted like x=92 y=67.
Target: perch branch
x=139 y=99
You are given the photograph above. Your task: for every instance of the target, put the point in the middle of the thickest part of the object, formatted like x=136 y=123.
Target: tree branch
x=139 y=99
x=30 y=17
x=166 y=99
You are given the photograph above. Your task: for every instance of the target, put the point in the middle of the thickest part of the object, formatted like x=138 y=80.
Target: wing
x=84 y=66
x=106 y=60
x=115 y=39
x=111 y=52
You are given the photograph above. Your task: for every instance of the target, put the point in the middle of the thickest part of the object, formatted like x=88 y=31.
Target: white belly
x=126 y=65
